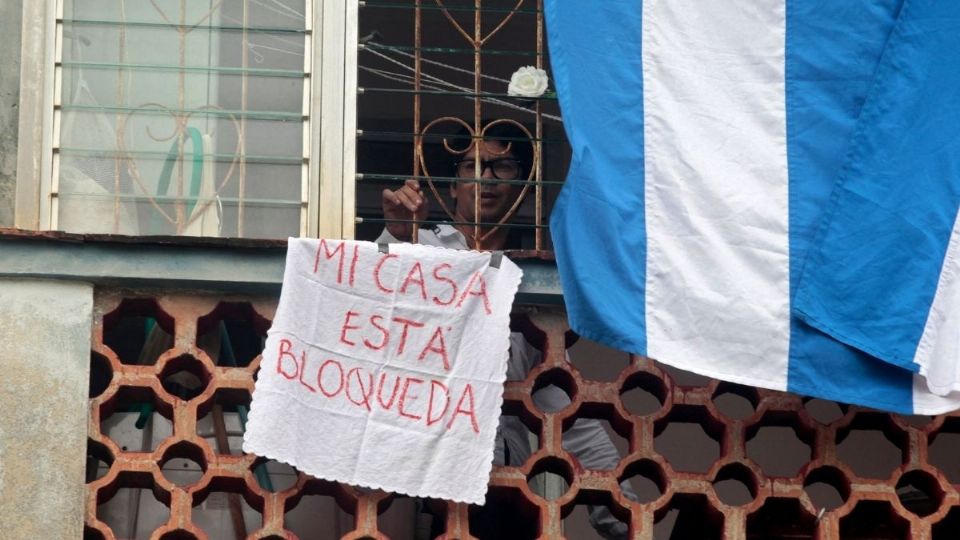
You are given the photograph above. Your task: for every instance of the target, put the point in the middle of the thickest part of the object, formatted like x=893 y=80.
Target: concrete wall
x=10 y=11
x=44 y=362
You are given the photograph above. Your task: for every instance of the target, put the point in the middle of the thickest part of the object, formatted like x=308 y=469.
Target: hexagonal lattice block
x=643 y=394
x=873 y=519
x=507 y=512
x=947 y=528
x=779 y=444
x=872 y=445
x=689 y=440
x=944 y=449
x=232 y=334
x=735 y=401
x=138 y=331
x=689 y=515
x=227 y=501
x=823 y=411
x=781 y=518
x=827 y=487
x=919 y=492
x=735 y=485
x=662 y=421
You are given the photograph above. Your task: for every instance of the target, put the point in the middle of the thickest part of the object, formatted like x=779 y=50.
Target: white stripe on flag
x=939 y=344
x=926 y=402
x=716 y=187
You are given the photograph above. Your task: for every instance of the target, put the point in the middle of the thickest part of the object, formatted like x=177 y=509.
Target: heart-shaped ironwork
x=476 y=40
x=476 y=136
x=181 y=122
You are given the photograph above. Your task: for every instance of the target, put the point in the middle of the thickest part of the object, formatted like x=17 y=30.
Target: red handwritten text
x=420 y=400
x=375 y=334
x=431 y=284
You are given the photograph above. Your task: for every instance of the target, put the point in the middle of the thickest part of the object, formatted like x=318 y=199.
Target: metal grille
x=433 y=77
x=172 y=376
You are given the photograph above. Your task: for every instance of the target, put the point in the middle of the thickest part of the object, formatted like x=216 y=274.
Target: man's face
x=495 y=198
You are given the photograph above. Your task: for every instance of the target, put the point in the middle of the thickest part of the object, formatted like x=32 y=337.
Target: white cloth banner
x=386 y=370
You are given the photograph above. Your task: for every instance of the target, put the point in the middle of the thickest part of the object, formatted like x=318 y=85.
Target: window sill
x=239 y=266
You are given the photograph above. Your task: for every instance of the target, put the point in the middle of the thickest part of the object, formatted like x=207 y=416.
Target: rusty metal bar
x=537 y=144
x=477 y=43
x=417 y=137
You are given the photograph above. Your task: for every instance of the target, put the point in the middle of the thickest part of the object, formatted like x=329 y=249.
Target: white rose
x=528 y=81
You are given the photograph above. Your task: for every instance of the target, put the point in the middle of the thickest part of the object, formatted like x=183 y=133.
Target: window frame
x=328 y=191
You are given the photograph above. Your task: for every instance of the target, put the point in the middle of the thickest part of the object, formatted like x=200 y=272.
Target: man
x=505 y=154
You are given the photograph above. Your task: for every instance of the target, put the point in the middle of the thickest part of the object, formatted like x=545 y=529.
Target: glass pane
x=182 y=118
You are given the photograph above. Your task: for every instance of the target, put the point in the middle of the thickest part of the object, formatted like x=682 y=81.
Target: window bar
x=158 y=155
x=181 y=209
x=169 y=25
x=121 y=99
x=449 y=8
x=403 y=136
x=458 y=50
x=477 y=44
x=436 y=91
x=448 y=179
x=244 y=88
x=537 y=144
x=418 y=141
x=207 y=110
x=225 y=70
x=488 y=224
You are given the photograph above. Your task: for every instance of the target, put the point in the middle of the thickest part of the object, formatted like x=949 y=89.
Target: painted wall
x=9 y=112
x=45 y=361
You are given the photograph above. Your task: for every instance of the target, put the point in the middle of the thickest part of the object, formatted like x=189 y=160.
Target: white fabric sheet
x=386 y=370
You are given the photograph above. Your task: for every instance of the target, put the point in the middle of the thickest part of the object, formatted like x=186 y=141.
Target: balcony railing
x=176 y=333
x=171 y=384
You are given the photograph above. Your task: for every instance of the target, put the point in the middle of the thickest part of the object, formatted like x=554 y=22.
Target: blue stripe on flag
x=872 y=278
x=596 y=59
x=833 y=50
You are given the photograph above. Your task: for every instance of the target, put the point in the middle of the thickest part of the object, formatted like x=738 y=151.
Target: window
x=196 y=118
x=174 y=115
x=431 y=72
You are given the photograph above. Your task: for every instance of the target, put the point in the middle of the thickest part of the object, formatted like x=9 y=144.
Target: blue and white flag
x=766 y=191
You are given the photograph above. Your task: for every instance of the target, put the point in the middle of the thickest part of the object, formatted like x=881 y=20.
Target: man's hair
x=506 y=133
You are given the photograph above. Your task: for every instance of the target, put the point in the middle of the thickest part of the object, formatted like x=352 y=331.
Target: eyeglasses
x=502 y=168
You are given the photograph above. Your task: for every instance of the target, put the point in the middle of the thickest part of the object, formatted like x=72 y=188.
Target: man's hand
x=405 y=203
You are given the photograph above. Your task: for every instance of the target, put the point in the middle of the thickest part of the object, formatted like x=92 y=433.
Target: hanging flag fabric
x=707 y=138
x=882 y=275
